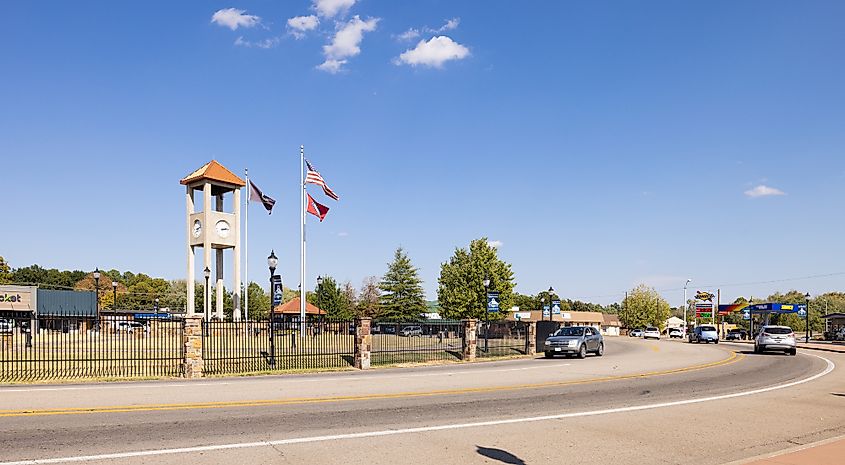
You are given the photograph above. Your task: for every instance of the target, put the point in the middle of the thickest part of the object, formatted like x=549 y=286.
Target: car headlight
x=573 y=343
x=547 y=343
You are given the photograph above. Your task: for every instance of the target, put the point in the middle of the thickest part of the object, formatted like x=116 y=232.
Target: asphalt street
x=658 y=401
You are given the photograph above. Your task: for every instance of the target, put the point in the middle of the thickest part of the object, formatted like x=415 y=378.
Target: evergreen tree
x=402 y=297
x=461 y=283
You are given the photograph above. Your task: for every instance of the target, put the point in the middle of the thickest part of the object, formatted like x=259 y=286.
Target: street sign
x=556 y=307
x=746 y=315
x=546 y=311
x=802 y=311
x=493 y=302
x=277 y=290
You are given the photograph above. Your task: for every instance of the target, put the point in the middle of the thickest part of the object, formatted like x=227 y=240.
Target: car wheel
x=717 y=341
x=548 y=355
x=793 y=352
x=600 y=350
x=761 y=349
x=582 y=351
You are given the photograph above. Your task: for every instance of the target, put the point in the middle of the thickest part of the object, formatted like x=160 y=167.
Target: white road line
x=423 y=429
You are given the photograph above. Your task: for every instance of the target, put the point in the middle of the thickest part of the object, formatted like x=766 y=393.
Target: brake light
x=792 y=335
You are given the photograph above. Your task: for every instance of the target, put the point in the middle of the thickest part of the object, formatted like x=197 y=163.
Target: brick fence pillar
x=470 y=339
x=192 y=366
x=363 y=343
x=531 y=336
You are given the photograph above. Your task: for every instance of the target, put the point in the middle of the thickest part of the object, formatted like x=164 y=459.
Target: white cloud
x=346 y=43
x=410 y=34
x=495 y=244
x=234 y=18
x=763 y=191
x=300 y=24
x=450 y=25
x=342 y=234
x=331 y=8
x=265 y=44
x=434 y=53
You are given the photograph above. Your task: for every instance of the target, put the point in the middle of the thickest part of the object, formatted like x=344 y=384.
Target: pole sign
x=802 y=310
x=556 y=307
x=546 y=311
x=704 y=310
x=492 y=302
x=746 y=315
x=277 y=290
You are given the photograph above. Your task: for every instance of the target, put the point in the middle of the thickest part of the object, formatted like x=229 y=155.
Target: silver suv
x=704 y=333
x=409 y=331
x=574 y=340
x=775 y=338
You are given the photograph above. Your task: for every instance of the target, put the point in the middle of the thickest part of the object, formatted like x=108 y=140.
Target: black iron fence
x=502 y=338
x=259 y=346
x=68 y=347
x=420 y=341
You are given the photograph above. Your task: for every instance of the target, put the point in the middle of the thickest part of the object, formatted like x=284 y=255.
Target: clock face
x=222 y=229
x=197 y=229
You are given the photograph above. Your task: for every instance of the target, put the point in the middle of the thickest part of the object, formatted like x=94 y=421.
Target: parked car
x=409 y=331
x=704 y=333
x=676 y=332
x=636 y=333
x=578 y=340
x=6 y=326
x=736 y=335
x=775 y=338
x=132 y=326
x=651 y=332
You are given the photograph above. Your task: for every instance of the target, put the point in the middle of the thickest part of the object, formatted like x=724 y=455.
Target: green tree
x=348 y=300
x=461 y=290
x=644 y=307
x=328 y=297
x=5 y=271
x=259 y=302
x=402 y=297
x=525 y=302
x=792 y=320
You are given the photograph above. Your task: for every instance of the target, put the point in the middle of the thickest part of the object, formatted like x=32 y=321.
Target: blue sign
x=556 y=307
x=802 y=310
x=493 y=302
x=277 y=290
x=746 y=315
x=775 y=308
x=546 y=310
x=151 y=316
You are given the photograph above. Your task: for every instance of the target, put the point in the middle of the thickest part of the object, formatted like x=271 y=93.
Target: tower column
x=206 y=242
x=189 y=210
x=236 y=252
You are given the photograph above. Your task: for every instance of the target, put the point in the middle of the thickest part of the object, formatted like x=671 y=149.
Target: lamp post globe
x=272 y=262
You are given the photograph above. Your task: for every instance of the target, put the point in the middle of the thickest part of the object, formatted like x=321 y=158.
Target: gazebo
x=289 y=311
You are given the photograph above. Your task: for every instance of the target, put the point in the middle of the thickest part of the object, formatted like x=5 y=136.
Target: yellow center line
x=733 y=358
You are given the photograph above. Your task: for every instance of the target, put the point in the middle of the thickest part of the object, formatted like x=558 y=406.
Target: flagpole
x=302 y=291
x=246 y=246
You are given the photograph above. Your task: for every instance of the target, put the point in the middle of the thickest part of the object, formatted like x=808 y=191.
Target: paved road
x=629 y=403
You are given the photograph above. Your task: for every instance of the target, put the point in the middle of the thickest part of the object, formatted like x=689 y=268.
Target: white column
x=189 y=210
x=206 y=243
x=218 y=266
x=236 y=285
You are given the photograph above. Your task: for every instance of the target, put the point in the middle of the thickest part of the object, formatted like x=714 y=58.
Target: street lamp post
x=689 y=280
x=207 y=299
x=97 y=293
x=114 y=297
x=807 y=319
x=486 y=313
x=551 y=315
x=272 y=262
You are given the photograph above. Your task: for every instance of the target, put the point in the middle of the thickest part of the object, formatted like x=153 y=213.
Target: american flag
x=313 y=177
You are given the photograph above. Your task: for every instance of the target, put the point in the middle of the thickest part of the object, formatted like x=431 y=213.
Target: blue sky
x=602 y=144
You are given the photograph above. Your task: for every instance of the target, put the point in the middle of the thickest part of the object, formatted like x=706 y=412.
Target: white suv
x=775 y=338
x=651 y=332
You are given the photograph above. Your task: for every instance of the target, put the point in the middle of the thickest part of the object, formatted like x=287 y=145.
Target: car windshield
x=735 y=331
x=777 y=330
x=570 y=332
x=651 y=329
x=708 y=328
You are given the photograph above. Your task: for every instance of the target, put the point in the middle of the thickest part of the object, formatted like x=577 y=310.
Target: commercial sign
x=493 y=302
x=17 y=298
x=546 y=311
x=556 y=307
x=522 y=315
x=703 y=310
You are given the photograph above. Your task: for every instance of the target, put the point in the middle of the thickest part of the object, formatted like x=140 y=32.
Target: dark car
x=571 y=340
x=736 y=335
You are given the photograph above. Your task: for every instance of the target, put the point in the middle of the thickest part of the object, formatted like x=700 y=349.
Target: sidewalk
x=822 y=453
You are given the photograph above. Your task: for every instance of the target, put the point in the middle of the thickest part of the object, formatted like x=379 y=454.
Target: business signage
x=704 y=310
x=17 y=298
x=556 y=307
x=493 y=302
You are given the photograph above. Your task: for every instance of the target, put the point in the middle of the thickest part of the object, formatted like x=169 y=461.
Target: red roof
x=213 y=171
x=292 y=307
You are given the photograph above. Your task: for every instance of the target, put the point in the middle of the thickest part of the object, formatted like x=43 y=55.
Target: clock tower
x=213 y=229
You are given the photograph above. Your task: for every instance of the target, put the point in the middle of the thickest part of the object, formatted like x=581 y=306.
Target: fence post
x=470 y=339
x=363 y=343
x=531 y=338
x=192 y=365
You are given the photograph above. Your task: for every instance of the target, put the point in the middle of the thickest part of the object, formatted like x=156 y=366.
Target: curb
x=799 y=448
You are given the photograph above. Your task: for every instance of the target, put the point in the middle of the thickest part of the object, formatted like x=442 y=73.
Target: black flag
x=255 y=195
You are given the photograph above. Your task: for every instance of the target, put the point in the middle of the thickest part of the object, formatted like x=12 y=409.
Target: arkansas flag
x=317 y=209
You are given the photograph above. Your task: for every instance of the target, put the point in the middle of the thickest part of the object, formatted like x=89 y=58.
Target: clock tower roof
x=213 y=171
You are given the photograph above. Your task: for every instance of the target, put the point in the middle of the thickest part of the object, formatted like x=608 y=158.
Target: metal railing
x=502 y=338
x=260 y=346
x=70 y=347
x=411 y=342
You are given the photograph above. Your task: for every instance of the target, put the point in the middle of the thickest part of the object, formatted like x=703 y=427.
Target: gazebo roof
x=213 y=171
x=292 y=307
